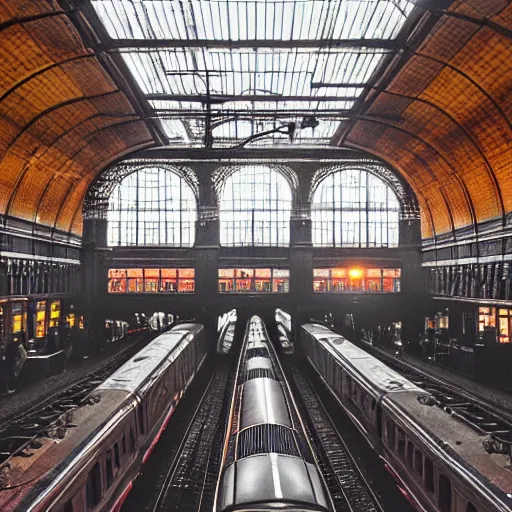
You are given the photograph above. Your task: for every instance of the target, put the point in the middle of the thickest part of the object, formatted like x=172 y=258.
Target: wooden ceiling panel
x=45 y=193
x=420 y=164
x=487 y=59
x=479 y=9
x=70 y=209
x=450 y=37
x=427 y=227
x=58 y=108
x=458 y=152
x=27 y=49
x=453 y=97
x=504 y=18
x=43 y=133
x=116 y=135
x=24 y=8
x=414 y=78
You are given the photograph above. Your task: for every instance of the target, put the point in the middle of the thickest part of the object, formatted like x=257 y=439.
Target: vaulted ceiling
x=444 y=118
x=62 y=117
x=436 y=104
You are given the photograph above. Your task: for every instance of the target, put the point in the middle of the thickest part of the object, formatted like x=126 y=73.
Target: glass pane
x=255 y=208
x=152 y=206
x=354 y=208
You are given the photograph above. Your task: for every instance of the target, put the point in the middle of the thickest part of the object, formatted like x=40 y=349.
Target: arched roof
x=62 y=117
x=444 y=119
x=438 y=110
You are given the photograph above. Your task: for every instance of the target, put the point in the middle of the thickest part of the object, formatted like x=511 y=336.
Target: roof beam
x=214 y=98
x=327 y=44
x=247 y=114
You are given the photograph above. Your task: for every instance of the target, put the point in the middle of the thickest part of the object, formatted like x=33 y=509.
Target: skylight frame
x=189 y=54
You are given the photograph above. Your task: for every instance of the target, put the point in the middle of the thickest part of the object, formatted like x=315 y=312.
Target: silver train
x=267 y=462
x=440 y=461
x=160 y=321
x=91 y=457
x=115 y=330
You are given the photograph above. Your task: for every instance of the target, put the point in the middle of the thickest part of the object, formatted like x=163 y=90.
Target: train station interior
x=310 y=200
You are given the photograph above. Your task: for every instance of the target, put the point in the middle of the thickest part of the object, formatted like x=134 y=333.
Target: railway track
x=467 y=407
x=350 y=488
x=20 y=430
x=189 y=481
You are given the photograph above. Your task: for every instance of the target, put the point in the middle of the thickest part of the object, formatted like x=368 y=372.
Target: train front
x=267 y=461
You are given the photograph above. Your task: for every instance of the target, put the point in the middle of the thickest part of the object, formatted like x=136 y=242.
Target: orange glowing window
x=186 y=273
x=504 y=325
x=486 y=318
x=40 y=319
x=54 y=313
x=116 y=273
x=355 y=273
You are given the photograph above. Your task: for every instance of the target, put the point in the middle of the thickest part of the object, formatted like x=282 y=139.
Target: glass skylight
x=239 y=20
x=252 y=65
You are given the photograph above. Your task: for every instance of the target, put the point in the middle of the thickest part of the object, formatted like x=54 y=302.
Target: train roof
x=448 y=437
x=263 y=402
x=379 y=377
x=162 y=351
x=279 y=481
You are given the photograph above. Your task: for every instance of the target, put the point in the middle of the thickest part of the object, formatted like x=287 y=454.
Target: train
x=160 y=321
x=115 y=330
x=284 y=330
x=439 y=460
x=267 y=462
x=88 y=460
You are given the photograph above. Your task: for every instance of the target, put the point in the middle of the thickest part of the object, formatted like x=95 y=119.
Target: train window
x=109 y=468
x=401 y=443
x=409 y=454
x=140 y=416
x=418 y=462
x=445 y=493
x=471 y=508
x=93 y=487
x=123 y=445
x=429 y=475
x=117 y=459
x=390 y=431
x=133 y=445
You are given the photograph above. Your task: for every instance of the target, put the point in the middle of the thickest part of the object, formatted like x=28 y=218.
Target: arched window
x=152 y=206
x=255 y=207
x=354 y=208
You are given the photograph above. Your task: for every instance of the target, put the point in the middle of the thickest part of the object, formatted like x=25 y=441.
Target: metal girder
x=194 y=114
x=151 y=44
x=223 y=98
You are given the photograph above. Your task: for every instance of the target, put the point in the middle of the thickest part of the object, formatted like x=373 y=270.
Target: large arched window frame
x=152 y=206
x=255 y=208
x=354 y=208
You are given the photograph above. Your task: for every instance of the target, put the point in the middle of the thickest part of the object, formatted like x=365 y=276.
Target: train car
x=440 y=460
x=267 y=461
x=115 y=330
x=284 y=330
x=89 y=459
x=160 y=321
x=226 y=328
